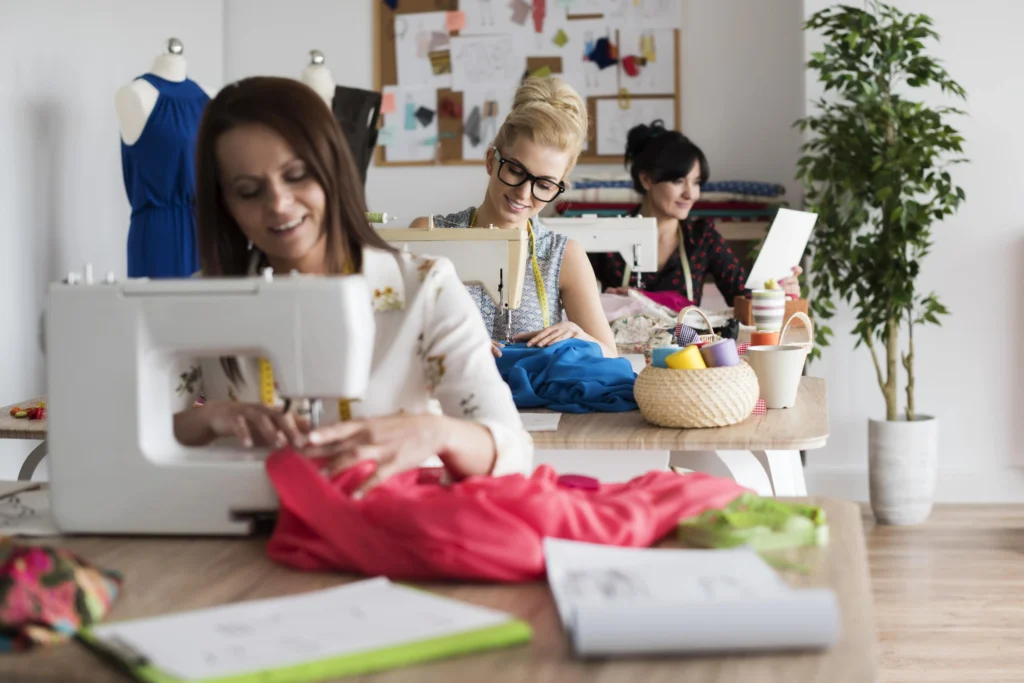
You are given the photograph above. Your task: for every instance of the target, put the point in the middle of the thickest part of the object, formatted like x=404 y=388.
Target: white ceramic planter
x=902 y=464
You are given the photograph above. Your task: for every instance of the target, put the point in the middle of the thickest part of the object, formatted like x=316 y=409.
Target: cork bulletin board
x=448 y=68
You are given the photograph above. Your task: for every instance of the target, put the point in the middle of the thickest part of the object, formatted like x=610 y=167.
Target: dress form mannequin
x=135 y=101
x=318 y=77
x=356 y=111
x=158 y=114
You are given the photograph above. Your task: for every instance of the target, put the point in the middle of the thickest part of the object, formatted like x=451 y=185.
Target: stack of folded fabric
x=728 y=200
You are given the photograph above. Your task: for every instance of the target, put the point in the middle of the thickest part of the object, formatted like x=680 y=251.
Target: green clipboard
x=514 y=632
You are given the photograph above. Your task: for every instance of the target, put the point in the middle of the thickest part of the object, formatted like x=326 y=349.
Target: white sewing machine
x=636 y=239
x=495 y=259
x=115 y=465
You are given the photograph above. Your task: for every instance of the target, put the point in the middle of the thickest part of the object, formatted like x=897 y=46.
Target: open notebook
x=642 y=601
x=361 y=627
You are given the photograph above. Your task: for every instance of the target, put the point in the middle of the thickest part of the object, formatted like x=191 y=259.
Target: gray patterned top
x=528 y=317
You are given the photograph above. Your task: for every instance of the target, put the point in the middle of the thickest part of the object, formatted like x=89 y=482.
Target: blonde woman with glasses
x=527 y=164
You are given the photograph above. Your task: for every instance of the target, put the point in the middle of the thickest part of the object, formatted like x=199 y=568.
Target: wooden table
x=762 y=452
x=164 y=576
x=23 y=428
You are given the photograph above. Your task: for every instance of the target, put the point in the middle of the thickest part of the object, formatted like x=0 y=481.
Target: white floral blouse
x=432 y=355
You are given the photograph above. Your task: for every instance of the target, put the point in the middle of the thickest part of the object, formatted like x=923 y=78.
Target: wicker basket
x=690 y=399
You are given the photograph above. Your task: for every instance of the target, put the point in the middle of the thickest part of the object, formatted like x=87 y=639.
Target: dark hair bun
x=639 y=136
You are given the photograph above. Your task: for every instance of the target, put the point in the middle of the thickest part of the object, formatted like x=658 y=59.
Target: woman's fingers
x=267 y=430
x=240 y=429
x=290 y=427
x=386 y=459
x=335 y=432
x=542 y=337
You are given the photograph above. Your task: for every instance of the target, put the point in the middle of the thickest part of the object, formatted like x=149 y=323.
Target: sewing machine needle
x=314 y=413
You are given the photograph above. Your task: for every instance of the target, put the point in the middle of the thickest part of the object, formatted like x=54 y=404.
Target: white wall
x=969 y=372
x=61 y=186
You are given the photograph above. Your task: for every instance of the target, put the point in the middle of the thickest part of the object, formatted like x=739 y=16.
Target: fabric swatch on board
x=472 y=127
x=424 y=116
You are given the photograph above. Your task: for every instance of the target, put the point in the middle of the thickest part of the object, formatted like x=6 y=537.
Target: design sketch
x=610 y=584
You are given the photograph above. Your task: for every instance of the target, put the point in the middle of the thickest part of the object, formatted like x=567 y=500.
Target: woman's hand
x=253 y=424
x=791 y=284
x=621 y=291
x=403 y=442
x=496 y=348
x=395 y=443
x=553 y=334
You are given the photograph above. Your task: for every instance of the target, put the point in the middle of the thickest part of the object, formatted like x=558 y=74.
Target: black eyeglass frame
x=527 y=176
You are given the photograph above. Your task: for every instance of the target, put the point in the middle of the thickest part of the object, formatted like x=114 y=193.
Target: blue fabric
x=571 y=377
x=159 y=177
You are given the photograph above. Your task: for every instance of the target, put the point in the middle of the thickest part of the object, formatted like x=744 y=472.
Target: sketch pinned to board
x=614 y=122
x=486 y=62
x=490 y=17
x=642 y=13
x=647 y=61
x=483 y=111
x=412 y=128
x=417 y=37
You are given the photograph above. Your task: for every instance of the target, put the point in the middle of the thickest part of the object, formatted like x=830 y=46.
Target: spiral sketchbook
x=358 y=628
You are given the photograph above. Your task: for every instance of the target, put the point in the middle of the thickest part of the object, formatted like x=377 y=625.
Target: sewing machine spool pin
x=505 y=304
x=636 y=266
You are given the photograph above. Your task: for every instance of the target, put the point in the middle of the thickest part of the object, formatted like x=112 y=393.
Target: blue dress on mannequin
x=159 y=177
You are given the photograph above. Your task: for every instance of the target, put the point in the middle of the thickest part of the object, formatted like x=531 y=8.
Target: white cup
x=778 y=369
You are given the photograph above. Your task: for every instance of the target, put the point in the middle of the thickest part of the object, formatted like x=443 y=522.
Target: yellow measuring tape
x=268 y=393
x=538 y=279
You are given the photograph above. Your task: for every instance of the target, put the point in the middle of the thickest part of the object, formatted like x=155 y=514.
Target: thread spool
x=378 y=217
x=687 y=359
x=720 y=354
x=659 y=355
x=761 y=338
x=769 y=308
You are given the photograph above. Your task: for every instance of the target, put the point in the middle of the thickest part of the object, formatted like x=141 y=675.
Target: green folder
x=133 y=659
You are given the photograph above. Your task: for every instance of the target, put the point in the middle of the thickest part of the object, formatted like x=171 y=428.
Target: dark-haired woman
x=668 y=170
x=277 y=187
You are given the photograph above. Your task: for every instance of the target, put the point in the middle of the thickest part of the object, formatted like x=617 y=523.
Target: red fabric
x=673 y=300
x=488 y=528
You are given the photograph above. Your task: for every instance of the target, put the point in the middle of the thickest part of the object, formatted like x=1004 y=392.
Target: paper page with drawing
x=265 y=635
x=614 y=122
x=488 y=62
x=541 y=422
x=25 y=510
x=630 y=601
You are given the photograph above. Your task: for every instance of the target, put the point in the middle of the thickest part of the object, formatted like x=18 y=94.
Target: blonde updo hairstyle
x=549 y=112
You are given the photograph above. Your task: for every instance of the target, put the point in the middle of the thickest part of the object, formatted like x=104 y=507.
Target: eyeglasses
x=514 y=175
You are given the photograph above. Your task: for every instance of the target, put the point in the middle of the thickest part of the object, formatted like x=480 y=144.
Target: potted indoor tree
x=875 y=168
